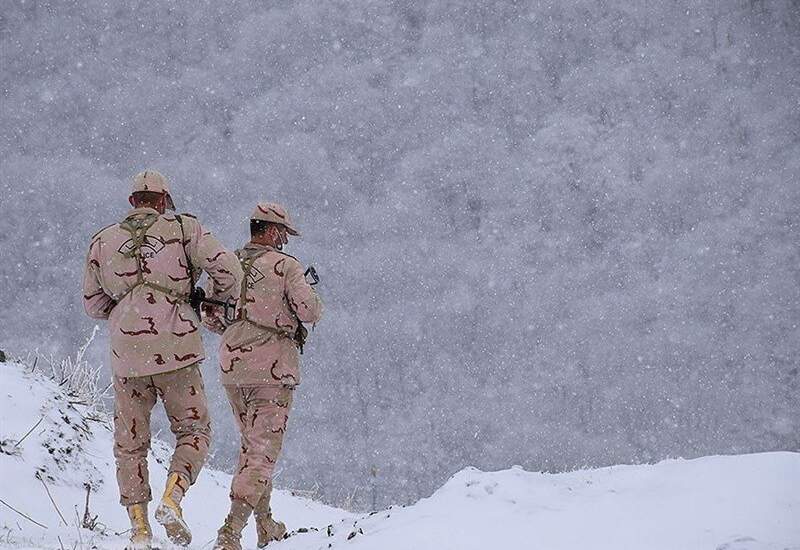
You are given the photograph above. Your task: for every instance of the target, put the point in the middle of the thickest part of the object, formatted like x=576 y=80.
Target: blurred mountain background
x=553 y=234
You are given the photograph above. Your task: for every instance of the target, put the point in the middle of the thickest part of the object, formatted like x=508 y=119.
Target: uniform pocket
x=284 y=397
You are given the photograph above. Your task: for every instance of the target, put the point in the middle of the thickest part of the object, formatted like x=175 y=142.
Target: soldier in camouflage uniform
x=138 y=276
x=259 y=365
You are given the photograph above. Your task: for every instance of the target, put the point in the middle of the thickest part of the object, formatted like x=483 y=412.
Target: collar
x=141 y=211
x=257 y=246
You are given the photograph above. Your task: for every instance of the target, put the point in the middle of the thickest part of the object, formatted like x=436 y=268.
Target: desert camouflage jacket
x=258 y=349
x=144 y=295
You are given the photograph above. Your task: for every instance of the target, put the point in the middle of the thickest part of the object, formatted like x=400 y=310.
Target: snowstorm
x=551 y=237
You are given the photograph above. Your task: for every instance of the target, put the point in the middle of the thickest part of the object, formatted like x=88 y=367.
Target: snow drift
x=748 y=502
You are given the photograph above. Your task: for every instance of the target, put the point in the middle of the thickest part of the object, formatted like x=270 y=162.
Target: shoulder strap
x=298 y=337
x=196 y=295
x=189 y=266
x=137 y=227
x=247 y=266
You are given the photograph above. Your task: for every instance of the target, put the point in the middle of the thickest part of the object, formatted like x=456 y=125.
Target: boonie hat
x=154 y=182
x=274 y=213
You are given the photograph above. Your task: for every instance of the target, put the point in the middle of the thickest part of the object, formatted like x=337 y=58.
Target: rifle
x=198 y=297
x=301 y=333
x=311 y=272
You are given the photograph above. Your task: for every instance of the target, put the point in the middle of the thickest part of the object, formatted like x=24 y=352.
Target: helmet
x=154 y=182
x=274 y=213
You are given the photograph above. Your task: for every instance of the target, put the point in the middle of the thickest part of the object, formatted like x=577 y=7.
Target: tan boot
x=141 y=534
x=229 y=536
x=266 y=527
x=169 y=512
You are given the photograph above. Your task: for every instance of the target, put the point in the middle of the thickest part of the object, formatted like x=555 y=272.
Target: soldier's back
x=143 y=267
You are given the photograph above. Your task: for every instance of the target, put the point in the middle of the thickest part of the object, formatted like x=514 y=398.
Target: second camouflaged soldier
x=260 y=366
x=138 y=277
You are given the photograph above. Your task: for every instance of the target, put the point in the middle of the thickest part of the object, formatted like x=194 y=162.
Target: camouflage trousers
x=184 y=399
x=262 y=413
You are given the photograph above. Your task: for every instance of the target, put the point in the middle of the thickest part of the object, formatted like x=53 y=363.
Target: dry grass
x=80 y=381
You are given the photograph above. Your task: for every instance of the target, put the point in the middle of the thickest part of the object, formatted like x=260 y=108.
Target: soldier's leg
x=230 y=534
x=267 y=528
x=236 y=398
x=133 y=401
x=262 y=413
x=184 y=397
x=266 y=412
x=184 y=400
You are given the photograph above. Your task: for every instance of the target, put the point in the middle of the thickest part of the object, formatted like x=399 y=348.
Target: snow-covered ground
x=743 y=502
x=72 y=446
x=748 y=502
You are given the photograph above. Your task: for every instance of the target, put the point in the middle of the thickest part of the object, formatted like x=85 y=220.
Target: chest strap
x=298 y=337
x=137 y=227
x=247 y=267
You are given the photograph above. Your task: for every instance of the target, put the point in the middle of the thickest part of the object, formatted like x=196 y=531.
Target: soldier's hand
x=214 y=324
x=212 y=318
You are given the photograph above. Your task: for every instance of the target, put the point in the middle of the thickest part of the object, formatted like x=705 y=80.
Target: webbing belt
x=270 y=332
x=154 y=286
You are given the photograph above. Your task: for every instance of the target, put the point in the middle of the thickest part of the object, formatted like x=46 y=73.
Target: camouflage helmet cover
x=274 y=213
x=154 y=182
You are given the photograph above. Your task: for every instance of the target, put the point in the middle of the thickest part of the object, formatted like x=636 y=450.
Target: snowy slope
x=71 y=447
x=748 y=502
